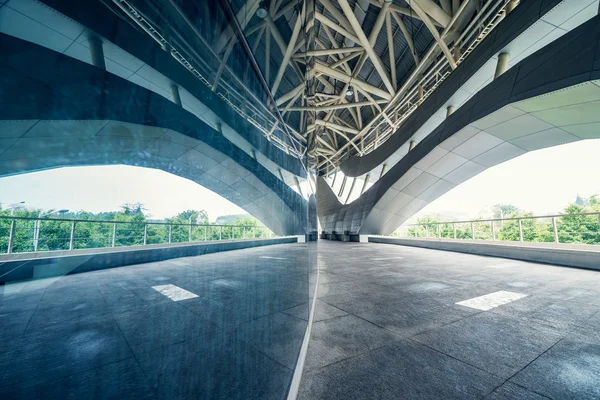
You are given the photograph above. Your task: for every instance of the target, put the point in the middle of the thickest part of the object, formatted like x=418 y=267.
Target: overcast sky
x=543 y=181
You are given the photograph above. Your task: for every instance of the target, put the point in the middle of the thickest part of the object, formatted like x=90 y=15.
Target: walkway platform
x=219 y=333
x=387 y=326
x=391 y=322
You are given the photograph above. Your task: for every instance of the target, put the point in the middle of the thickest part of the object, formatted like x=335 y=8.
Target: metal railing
x=581 y=228
x=31 y=234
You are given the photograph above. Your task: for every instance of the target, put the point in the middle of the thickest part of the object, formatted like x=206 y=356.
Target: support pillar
x=502 y=64
x=97 y=52
x=175 y=94
x=411 y=145
x=420 y=87
x=449 y=111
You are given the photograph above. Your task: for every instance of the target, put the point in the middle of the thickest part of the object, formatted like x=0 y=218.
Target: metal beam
x=366 y=44
x=288 y=54
x=342 y=76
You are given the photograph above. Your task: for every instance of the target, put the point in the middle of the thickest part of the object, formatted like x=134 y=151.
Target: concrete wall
x=56 y=264
x=584 y=258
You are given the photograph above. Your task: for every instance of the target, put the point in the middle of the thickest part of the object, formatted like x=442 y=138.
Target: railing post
x=145 y=234
x=520 y=231
x=426 y=232
x=170 y=232
x=439 y=231
x=493 y=230
x=244 y=232
x=555 y=229
x=11 y=236
x=114 y=234
x=205 y=232
x=454 y=229
x=472 y=231
x=72 y=238
x=220 y=232
x=190 y=233
x=36 y=235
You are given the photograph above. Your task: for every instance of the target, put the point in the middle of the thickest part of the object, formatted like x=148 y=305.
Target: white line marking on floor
x=388 y=258
x=491 y=300
x=173 y=292
x=273 y=258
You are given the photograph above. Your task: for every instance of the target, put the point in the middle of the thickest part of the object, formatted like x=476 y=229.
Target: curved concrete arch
x=525 y=30
x=64 y=26
x=56 y=111
x=536 y=104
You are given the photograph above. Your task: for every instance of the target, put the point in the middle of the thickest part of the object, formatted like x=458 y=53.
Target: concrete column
x=411 y=145
x=449 y=111
x=219 y=128
x=420 y=93
x=502 y=64
x=253 y=153
x=511 y=6
x=175 y=94
x=97 y=52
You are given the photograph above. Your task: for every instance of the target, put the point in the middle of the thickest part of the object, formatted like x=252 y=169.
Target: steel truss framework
x=336 y=69
x=345 y=54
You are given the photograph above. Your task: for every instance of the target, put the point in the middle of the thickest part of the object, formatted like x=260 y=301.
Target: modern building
x=332 y=122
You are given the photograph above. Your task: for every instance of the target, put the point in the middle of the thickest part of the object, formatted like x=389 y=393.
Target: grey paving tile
x=402 y=371
x=495 y=343
x=569 y=370
x=278 y=335
x=339 y=338
x=223 y=368
x=323 y=311
x=119 y=380
x=160 y=325
x=53 y=355
x=510 y=391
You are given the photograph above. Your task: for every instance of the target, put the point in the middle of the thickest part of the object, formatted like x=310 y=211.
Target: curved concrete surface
x=56 y=111
x=529 y=27
x=65 y=26
x=550 y=98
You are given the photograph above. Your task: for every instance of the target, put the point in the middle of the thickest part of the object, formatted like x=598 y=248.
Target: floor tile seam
x=504 y=380
x=332 y=318
x=148 y=382
x=389 y=344
x=445 y=324
x=147 y=378
x=531 y=362
x=529 y=390
x=250 y=345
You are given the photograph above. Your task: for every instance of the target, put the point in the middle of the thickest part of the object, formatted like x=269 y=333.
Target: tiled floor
x=110 y=335
x=387 y=327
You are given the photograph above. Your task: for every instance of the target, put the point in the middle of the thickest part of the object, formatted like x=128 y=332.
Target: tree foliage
x=571 y=228
x=127 y=227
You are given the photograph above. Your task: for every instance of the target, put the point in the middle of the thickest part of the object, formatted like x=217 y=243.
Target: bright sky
x=543 y=181
x=105 y=188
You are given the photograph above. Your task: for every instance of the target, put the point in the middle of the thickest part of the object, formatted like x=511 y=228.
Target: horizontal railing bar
x=123 y=222
x=504 y=219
